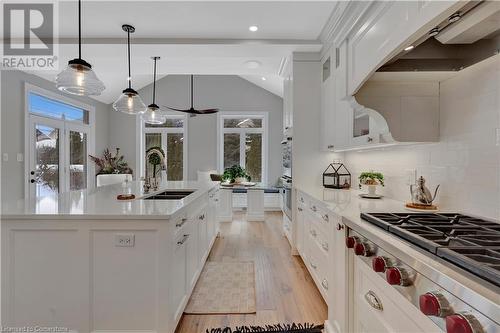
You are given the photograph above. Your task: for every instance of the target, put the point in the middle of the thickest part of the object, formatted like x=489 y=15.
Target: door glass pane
x=54 y=109
x=175 y=154
x=152 y=140
x=47 y=160
x=253 y=156
x=231 y=150
x=77 y=160
x=170 y=122
x=243 y=123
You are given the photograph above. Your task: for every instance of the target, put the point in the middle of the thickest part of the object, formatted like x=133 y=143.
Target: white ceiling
x=191 y=37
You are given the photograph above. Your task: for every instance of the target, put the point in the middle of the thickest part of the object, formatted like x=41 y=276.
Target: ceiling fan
x=192 y=111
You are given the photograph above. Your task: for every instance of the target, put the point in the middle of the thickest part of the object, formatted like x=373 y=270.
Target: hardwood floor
x=284 y=289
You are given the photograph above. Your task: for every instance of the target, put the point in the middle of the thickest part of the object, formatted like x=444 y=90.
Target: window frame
x=264 y=131
x=67 y=125
x=141 y=144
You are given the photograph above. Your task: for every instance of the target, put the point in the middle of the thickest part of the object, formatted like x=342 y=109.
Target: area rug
x=278 y=328
x=224 y=288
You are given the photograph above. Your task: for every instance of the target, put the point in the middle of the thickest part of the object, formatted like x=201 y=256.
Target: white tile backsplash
x=466 y=160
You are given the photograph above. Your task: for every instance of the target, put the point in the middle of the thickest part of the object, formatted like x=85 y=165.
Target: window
x=171 y=137
x=59 y=138
x=242 y=141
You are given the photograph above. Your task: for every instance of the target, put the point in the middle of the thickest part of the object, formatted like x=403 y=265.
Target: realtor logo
x=28 y=36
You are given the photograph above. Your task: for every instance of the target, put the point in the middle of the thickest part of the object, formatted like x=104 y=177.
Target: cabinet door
x=300 y=230
x=201 y=220
x=338 y=312
x=343 y=112
x=191 y=256
x=328 y=103
x=178 y=285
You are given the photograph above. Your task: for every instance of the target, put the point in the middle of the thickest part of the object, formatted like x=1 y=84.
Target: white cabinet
x=179 y=276
x=328 y=102
x=192 y=263
x=212 y=219
x=378 y=307
x=201 y=220
x=299 y=243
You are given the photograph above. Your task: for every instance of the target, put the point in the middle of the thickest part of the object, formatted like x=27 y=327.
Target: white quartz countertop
x=102 y=203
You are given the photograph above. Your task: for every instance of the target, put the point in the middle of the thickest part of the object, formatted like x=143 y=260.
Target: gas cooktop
x=468 y=242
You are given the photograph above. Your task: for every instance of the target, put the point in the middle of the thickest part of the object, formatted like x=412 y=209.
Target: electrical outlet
x=411 y=176
x=125 y=240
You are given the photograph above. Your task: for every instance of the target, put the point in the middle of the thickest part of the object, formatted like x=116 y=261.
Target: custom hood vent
x=465 y=38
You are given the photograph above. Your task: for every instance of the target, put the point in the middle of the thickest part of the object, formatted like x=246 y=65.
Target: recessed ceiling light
x=263 y=78
x=253 y=28
x=409 y=48
x=455 y=17
x=252 y=64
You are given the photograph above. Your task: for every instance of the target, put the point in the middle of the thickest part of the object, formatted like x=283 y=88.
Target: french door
x=57 y=157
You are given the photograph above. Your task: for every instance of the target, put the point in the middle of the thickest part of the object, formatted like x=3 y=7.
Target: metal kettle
x=420 y=194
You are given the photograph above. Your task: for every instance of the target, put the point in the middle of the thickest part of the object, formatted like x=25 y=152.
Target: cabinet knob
x=462 y=323
x=431 y=304
x=350 y=241
x=397 y=276
x=379 y=264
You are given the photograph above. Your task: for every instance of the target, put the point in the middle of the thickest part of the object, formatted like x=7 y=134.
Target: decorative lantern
x=337 y=176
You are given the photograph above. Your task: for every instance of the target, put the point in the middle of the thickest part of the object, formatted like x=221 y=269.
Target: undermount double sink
x=170 y=195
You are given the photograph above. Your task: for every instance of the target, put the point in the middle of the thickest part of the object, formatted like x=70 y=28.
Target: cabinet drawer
x=376 y=310
x=318 y=267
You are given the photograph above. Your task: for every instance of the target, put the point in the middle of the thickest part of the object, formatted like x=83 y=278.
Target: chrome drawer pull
x=302 y=200
x=325 y=246
x=184 y=239
x=324 y=283
x=314 y=209
x=181 y=223
x=373 y=300
x=325 y=217
x=313 y=233
x=202 y=217
x=300 y=209
x=313 y=265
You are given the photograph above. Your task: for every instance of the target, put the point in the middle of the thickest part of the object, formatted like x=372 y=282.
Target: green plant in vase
x=235 y=174
x=371 y=180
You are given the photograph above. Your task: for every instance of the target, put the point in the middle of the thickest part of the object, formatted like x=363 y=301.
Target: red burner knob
x=378 y=264
x=458 y=323
x=360 y=249
x=429 y=304
x=350 y=241
x=393 y=276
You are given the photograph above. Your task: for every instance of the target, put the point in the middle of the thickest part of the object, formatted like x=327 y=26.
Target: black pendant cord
x=79 y=29
x=192 y=92
x=154 y=80
x=128 y=49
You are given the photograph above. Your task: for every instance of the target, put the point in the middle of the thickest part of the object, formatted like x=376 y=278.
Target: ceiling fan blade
x=208 y=111
x=180 y=110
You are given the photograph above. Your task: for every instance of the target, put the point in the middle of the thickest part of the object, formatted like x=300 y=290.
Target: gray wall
x=12 y=126
x=227 y=92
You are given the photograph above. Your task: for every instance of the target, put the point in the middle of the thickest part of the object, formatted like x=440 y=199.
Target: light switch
x=125 y=240
x=20 y=157
x=5 y=157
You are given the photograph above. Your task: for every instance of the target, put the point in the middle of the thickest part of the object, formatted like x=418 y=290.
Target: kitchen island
x=85 y=261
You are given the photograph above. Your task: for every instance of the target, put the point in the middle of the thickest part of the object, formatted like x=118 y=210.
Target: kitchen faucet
x=152 y=182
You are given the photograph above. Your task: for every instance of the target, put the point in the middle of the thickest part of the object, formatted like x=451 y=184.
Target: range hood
x=467 y=37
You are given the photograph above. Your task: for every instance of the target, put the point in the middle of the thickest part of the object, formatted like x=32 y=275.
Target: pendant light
x=129 y=101
x=153 y=114
x=78 y=78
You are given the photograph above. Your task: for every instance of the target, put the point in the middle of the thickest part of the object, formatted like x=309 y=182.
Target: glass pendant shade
x=129 y=102
x=154 y=115
x=79 y=79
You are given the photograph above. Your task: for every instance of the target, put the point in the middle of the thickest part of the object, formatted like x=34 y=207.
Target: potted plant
x=111 y=165
x=371 y=180
x=235 y=174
